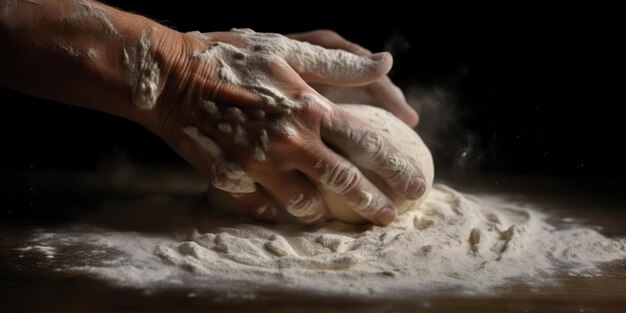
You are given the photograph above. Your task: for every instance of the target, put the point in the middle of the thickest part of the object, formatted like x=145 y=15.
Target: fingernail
x=379 y=56
x=385 y=216
x=416 y=188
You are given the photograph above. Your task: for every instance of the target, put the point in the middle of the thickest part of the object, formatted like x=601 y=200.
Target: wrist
x=181 y=79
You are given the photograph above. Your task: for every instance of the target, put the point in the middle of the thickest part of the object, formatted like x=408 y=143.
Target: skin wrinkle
x=373 y=154
x=300 y=207
x=339 y=179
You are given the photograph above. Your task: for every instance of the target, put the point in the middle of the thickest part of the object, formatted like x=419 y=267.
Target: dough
x=397 y=133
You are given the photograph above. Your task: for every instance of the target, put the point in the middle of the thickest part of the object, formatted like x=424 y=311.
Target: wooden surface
x=37 y=199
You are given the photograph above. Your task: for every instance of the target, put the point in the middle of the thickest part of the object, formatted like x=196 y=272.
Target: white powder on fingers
x=302 y=207
x=228 y=176
x=309 y=59
x=455 y=241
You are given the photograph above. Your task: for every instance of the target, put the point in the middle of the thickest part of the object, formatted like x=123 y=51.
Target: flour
x=454 y=241
x=315 y=62
x=48 y=251
x=261 y=63
x=89 y=10
x=91 y=53
x=228 y=176
x=144 y=73
x=307 y=209
x=245 y=66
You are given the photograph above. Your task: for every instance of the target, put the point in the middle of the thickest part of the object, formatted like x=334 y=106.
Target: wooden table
x=35 y=199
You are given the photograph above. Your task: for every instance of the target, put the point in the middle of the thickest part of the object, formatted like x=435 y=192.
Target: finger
x=297 y=195
x=385 y=93
x=255 y=201
x=259 y=205
x=333 y=66
x=341 y=178
x=391 y=98
x=368 y=149
x=225 y=175
x=330 y=40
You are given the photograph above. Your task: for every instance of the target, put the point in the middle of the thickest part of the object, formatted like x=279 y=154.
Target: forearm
x=84 y=53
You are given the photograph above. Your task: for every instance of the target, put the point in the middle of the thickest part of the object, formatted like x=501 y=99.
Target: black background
x=513 y=91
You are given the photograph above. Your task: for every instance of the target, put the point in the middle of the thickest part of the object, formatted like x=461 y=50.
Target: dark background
x=520 y=93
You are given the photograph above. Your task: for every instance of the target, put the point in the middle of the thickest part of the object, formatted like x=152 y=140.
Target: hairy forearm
x=83 y=53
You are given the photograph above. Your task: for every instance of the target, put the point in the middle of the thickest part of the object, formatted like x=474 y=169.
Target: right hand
x=237 y=106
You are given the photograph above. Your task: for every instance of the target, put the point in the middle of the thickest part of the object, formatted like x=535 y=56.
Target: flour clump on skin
x=144 y=73
x=89 y=10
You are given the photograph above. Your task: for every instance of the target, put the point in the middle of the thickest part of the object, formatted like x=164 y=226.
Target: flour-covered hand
x=237 y=106
x=381 y=93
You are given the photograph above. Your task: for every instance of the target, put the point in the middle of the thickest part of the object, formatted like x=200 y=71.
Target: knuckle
x=327 y=34
x=341 y=178
x=313 y=106
x=373 y=146
x=289 y=142
x=395 y=165
x=404 y=176
x=230 y=177
x=304 y=206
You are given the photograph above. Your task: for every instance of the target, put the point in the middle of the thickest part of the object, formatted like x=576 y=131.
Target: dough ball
x=392 y=129
x=402 y=137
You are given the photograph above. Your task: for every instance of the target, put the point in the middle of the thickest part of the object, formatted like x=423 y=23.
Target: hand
x=381 y=93
x=237 y=106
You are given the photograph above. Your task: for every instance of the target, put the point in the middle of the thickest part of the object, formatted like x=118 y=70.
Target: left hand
x=381 y=93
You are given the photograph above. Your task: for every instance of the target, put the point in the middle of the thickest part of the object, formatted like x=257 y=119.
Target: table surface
x=35 y=199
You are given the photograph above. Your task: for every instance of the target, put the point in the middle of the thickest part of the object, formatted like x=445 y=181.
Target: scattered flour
x=454 y=241
x=48 y=251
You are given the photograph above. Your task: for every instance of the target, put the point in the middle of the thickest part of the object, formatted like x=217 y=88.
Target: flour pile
x=454 y=241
